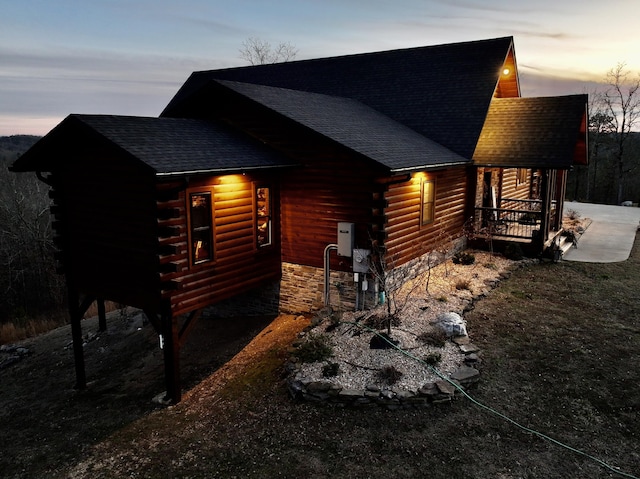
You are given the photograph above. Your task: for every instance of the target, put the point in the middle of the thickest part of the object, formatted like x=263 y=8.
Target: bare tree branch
x=622 y=101
x=259 y=52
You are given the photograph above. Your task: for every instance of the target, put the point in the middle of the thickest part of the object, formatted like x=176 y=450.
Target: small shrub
x=463 y=284
x=433 y=359
x=389 y=375
x=463 y=257
x=442 y=299
x=316 y=348
x=436 y=337
x=572 y=214
x=330 y=370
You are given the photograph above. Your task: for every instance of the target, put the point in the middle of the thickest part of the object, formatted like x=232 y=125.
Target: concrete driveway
x=610 y=237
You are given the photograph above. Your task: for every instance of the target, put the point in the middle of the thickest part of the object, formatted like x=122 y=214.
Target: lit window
x=201 y=227
x=263 y=216
x=428 y=201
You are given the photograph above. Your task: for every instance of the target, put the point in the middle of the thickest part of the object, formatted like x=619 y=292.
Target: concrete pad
x=610 y=237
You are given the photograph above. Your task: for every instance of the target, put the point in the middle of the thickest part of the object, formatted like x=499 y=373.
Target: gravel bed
x=451 y=288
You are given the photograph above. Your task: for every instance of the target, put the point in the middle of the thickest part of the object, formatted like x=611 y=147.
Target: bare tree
x=600 y=127
x=622 y=101
x=260 y=52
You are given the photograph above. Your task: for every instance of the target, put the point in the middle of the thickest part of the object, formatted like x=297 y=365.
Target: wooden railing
x=519 y=219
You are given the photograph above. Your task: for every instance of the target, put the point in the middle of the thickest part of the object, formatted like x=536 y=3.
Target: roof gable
x=353 y=125
x=167 y=146
x=442 y=92
x=544 y=132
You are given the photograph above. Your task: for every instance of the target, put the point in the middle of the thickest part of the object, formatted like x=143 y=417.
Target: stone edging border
x=432 y=393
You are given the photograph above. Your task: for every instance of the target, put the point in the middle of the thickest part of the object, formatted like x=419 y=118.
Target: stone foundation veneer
x=301 y=288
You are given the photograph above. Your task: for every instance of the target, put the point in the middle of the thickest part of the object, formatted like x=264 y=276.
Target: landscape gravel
x=451 y=288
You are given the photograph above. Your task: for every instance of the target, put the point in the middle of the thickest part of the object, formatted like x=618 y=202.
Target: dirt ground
x=560 y=352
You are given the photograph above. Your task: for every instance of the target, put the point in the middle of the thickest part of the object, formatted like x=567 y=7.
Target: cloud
x=46 y=85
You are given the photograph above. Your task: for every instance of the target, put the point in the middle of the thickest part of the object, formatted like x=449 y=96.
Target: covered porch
x=535 y=221
x=526 y=147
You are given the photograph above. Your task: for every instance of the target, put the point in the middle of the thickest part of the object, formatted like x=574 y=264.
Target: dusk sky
x=129 y=57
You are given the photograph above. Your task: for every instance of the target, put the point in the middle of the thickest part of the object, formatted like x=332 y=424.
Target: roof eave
x=225 y=171
x=431 y=166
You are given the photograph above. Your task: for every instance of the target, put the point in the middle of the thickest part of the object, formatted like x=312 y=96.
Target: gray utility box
x=361 y=260
x=346 y=239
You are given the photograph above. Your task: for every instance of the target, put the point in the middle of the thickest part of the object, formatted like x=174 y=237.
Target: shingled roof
x=442 y=92
x=168 y=146
x=354 y=126
x=544 y=132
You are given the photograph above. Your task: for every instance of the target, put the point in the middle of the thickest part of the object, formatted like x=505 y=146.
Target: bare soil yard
x=560 y=350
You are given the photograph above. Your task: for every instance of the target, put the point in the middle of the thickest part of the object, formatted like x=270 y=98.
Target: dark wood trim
x=171 y=350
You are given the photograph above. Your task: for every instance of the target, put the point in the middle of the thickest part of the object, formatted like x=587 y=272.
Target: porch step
x=566 y=244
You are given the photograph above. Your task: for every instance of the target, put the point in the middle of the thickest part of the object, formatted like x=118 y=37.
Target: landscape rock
x=469 y=348
x=452 y=324
x=466 y=375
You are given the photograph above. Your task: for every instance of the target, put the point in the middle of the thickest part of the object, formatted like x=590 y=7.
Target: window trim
x=190 y=230
x=256 y=208
x=431 y=203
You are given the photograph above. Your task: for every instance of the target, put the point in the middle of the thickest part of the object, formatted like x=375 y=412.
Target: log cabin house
x=252 y=177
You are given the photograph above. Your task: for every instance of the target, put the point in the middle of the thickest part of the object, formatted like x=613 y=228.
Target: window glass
x=201 y=227
x=428 y=201
x=263 y=215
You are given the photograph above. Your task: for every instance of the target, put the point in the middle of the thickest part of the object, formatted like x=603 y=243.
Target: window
x=428 y=201
x=521 y=176
x=263 y=216
x=200 y=227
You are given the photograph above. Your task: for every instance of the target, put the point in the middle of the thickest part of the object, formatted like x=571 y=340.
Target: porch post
x=546 y=211
x=102 y=316
x=76 y=335
x=171 y=349
x=561 y=191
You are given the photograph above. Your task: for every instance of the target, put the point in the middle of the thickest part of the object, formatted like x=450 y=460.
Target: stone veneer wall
x=301 y=288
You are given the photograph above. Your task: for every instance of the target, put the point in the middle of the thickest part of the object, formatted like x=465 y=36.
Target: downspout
x=327 y=252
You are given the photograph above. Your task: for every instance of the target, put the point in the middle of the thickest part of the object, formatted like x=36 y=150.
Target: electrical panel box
x=346 y=239
x=361 y=260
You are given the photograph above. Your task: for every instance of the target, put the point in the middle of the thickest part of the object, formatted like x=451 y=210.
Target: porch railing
x=516 y=219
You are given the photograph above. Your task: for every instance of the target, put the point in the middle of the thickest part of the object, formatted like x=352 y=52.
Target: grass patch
x=27 y=328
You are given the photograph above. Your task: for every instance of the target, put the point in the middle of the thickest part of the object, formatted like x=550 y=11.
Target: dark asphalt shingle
x=442 y=92
x=538 y=132
x=166 y=145
x=353 y=125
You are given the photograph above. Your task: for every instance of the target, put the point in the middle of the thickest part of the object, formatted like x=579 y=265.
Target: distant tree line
x=598 y=181
x=29 y=284
x=613 y=173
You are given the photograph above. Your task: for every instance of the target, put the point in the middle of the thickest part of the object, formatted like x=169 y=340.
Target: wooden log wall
x=331 y=187
x=510 y=187
x=238 y=264
x=406 y=238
